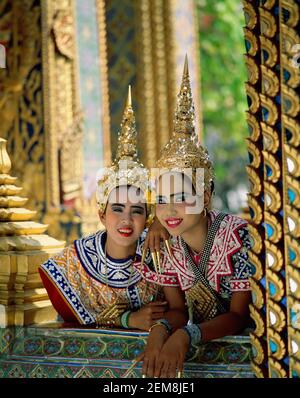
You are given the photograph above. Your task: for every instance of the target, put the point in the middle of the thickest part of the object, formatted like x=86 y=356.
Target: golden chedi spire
x=23 y=247
x=184 y=151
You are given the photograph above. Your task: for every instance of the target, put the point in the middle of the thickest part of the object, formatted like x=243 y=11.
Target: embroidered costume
x=209 y=279
x=227 y=271
x=83 y=283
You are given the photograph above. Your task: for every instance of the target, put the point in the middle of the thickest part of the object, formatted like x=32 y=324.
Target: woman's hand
x=172 y=355
x=156 y=232
x=144 y=318
x=155 y=342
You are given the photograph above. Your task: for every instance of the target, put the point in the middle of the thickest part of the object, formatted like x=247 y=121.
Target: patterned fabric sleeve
x=242 y=269
x=168 y=275
x=65 y=299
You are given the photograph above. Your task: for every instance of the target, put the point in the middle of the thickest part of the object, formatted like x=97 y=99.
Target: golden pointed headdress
x=126 y=169
x=184 y=151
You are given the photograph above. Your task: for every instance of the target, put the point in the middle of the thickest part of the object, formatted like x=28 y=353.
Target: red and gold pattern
x=228 y=269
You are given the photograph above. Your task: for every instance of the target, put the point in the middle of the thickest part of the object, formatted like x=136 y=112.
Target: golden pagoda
x=23 y=247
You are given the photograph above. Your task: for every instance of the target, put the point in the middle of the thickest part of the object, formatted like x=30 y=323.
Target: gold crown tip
x=129 y=100
x=186 y=66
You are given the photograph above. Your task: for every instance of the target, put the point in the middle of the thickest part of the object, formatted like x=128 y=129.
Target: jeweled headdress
x=126 y=169
x=184 y=151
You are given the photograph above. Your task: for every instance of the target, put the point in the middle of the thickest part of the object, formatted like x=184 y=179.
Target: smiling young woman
x=209 y=249
x=93 y=281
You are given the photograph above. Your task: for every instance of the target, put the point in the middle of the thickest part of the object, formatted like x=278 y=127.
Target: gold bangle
x=158 y=324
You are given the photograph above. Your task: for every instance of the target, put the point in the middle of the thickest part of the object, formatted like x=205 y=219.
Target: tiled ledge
x=60 y=350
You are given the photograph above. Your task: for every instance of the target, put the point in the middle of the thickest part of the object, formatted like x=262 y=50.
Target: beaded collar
x=91 y=254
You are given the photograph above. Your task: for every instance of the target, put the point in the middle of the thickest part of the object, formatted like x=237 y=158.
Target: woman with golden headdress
x=209 y=259
x=93 y=280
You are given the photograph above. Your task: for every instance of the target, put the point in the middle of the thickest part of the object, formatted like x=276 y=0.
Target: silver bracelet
x=194 y=333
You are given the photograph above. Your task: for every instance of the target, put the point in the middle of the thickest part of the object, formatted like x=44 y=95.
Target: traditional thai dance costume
x=209 y=278
x=86 y=285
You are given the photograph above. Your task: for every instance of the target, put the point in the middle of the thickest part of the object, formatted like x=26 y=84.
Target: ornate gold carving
x=272 y=168
x=5 y=163
x=270 y=138
x=63 y=33
x=269 y=4
x=291 y=75
x=258 y=319
x=257 y=371
x=256 y=239
x=252 y=69
x=255 y=209
x=294 y=351
x=250 y=15
x=293 y=247
x=70 y=147
x=270 y=54
x=254 y=259
x=270 y=113
x=289 y=39
x=294 y=312
x=251 y=39
x=272 y=197
x=292 y=159
x=273 y=227
x=276 y=316
x=292 y=221
x=12 y=201
x=292 y=135
x=22 y=250
x=293 y=191
x=293 y=280
x=276 y=370
x=25 y=228
x=290 y=101
x=293 y=10
x=100 y=4
x=274 y=257
x=253 y=97
x=255 y=154
x=268 y=25
x=255 y=181
x=275 y=285
x=257 y=296
x=253 y=126
x=257 y=349
x=270 y=82
x=294 y=367
x=276 y=345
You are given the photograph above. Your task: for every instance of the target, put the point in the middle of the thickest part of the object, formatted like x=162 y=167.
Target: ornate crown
x=126 y=169
x=184 y=151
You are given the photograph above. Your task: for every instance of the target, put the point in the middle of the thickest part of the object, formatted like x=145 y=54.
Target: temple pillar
x=146 y=48
x=272 y=37
x=40 y=111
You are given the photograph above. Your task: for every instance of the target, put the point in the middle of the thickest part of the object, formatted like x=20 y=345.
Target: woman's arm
x=172 y=354
x=230 y=323
x=176 y=317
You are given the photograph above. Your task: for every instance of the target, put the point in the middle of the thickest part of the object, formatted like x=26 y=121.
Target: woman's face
x=178 y=208
x=125 y=216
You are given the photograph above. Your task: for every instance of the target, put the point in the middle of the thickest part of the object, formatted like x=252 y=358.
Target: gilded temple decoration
x=23 y=247
x=275 y=252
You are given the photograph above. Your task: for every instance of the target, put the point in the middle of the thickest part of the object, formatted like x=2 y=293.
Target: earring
x=204 y=212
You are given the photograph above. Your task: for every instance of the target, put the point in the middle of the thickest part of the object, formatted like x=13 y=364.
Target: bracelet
x=163 y=322
x=194 y=333
x=124 y=319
